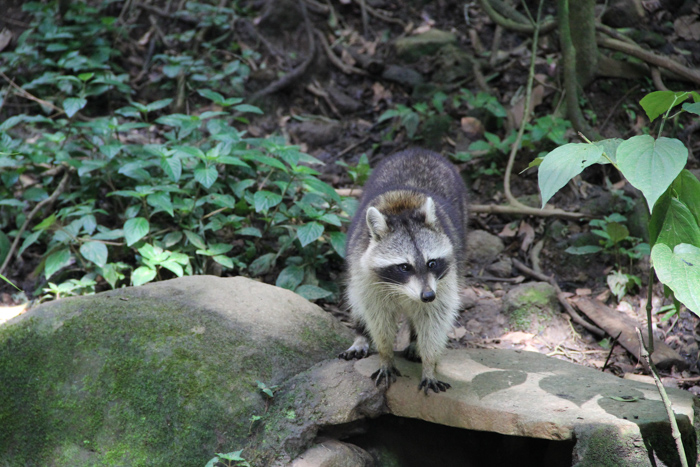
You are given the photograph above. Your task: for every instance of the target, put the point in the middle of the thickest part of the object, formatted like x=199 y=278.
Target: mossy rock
x=163 y=374
x=530 y=306
x=412 y=48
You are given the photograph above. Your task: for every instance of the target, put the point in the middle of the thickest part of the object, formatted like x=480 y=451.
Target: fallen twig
x=344 y=67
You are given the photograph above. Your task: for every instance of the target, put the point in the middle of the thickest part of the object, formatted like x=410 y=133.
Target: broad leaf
x=161 y=201
x=142 y=274
x=658 y=102
x=309 y=233
x=290 y=277
x=312 y=292
x=264 y=200
x=135 y=229
x=56 y=261
x=95 y=252
x=73 y=104
x=206 y=176
x=651 y=165
x=172 y=166
x=680 y=271
x=262 y=265
x=583 y=250
x=563 y=164
x=338 y=240
x=679 y=226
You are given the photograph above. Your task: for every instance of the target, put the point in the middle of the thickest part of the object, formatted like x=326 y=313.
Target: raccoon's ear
x=376 y=223
x=429 y=210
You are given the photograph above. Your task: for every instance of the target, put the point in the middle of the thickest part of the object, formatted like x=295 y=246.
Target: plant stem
x=650 y=288
x=675 y=432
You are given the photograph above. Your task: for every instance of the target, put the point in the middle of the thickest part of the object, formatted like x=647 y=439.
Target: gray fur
x=405 y=255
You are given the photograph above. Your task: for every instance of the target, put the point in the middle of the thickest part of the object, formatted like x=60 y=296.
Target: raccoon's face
x=408 y=254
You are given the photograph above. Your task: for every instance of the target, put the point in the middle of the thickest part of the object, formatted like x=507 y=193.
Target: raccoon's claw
x=353 y=353
x=388 y=374
x=433 y=384
x=410 y=353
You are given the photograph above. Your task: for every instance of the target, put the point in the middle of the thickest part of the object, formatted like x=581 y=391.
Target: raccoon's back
x=418 y=169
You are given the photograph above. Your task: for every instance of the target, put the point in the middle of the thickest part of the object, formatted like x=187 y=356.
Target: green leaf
x=56 y=261
x=262 y=265
x=249 y=231
x=196 y=240
x=265 y=200
x=211 y=95
x=651 y=165
x=157 y=105
x=172 y=166
x=95 y=252
x=312 y=292
x=679 y=226
x=563 y=164
x=693 y=108
x=617 y=283
x=173 y=266
x=29 y=241
x=583 y=250
x=680 y=271
x=609 y=147
x=246 y=108
x=142 y=274
x=73 y=104
x=206 y=176
x=317 y=185
x=338 y=240
x=290 y=277
x=223 y=260
x=309 y=233
x=161 y=201
x=687 y=188
x=135 y=229
x=46 y=223
x=616 y=232
x=658 y=102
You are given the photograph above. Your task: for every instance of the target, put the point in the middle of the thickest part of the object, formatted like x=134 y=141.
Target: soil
x=333 y=114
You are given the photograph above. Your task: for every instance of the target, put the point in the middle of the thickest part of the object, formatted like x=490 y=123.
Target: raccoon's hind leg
x=359 y=348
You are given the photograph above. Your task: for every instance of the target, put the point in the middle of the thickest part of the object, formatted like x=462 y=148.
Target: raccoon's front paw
x=433 y=384
x=355 y=352
x=410 y=353
x=387 y=374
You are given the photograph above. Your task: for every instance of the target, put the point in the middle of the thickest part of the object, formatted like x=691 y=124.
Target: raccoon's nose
x=427 y=296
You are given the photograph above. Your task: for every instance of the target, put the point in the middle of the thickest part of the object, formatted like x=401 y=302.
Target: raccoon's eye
x=431 y=264
x=405 y=267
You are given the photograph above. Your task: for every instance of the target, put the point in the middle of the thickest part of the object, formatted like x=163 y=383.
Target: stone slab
x=528 y=394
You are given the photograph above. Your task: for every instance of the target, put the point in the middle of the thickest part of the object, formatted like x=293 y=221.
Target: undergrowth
x=109 y=189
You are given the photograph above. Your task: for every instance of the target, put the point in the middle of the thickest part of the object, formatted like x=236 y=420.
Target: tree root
x=297 y=72
x=651 y=58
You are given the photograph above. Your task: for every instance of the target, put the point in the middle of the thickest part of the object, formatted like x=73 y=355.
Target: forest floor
x=331 y=108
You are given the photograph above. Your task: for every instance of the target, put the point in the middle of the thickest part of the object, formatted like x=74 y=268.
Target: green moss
x=107 y=386
x=532 y=305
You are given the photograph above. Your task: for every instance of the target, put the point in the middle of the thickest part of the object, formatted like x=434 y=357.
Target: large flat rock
x=529 y=394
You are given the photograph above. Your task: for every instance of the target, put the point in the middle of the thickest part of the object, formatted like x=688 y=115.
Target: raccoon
x=405 y=255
